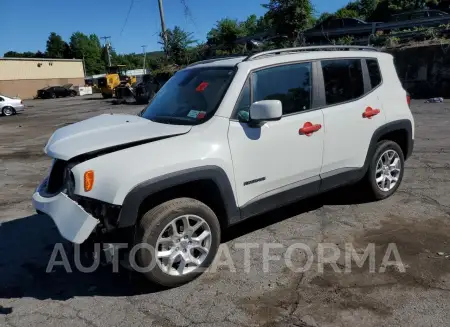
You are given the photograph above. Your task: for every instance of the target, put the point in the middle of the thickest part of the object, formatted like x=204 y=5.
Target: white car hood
x=106 y=131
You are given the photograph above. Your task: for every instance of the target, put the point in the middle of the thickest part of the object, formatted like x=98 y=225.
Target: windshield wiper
x=172 y=120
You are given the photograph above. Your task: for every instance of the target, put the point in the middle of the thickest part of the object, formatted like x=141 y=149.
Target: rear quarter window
x=374 y=72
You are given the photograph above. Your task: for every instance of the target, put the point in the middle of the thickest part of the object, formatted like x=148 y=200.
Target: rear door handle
x=369 y=113
x=308 y=128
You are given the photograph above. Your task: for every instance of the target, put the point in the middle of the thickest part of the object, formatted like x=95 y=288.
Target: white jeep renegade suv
x=224 y=140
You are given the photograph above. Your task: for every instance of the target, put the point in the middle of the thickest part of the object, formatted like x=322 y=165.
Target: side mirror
x=266 y=110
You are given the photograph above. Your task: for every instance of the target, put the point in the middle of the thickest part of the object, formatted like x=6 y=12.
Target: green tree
x=26 y=54
x=12 y=54
x=68 y=54
x=290 y=16
x=250 y=25
x=225 y=34
x=347 y=13
x=404 y=5
x=89 y=48
x=324 y=16
x=55 y=46
x=264 y=23
x=178 y=44
x=367 y=7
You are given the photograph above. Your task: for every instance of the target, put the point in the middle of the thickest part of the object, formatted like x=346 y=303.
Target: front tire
x=183 y=235
x=386 y=170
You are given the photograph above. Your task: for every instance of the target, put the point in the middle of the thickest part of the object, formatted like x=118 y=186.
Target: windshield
x=190 y=97
x=117 y=70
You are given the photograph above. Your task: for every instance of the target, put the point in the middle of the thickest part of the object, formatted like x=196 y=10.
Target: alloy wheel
x=183 y=245
x=8 y=111
x=388 y=170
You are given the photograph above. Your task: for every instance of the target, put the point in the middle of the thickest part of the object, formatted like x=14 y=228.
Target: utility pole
x=163 y=26
x=145 y=53
x=107 y=45
x=84 y=66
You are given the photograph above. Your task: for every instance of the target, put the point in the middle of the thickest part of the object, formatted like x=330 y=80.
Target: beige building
x=24 y=76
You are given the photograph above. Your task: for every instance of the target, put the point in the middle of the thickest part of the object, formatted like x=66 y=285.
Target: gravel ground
x=416 y=219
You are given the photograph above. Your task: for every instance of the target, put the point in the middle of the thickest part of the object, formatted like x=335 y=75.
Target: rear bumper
x=19 y=108
x=72 y=221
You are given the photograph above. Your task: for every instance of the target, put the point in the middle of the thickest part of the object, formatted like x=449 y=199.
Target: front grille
x=57 y=176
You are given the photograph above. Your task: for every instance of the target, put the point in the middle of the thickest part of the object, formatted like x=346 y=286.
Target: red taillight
x=408 y=100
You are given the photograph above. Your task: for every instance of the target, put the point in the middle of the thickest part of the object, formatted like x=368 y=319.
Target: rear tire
x=386 y=169
x=177 y=256
x=8 y=111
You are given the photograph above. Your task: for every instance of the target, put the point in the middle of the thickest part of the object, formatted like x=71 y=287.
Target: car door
x=60 y=91
x=352 y=112
x=276 y=163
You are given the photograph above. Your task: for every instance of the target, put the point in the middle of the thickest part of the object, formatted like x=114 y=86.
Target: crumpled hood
x=106 y=131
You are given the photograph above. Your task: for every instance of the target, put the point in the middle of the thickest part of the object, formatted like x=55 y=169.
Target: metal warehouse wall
x=14 y=69
x=23 y=77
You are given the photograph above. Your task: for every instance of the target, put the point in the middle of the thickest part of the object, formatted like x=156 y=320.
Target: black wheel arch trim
x=397 y=125
x=402 y=124
x=132 y=202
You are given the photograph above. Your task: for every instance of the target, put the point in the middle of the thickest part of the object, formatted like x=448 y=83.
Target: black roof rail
x=310 y=48
x=215 y=59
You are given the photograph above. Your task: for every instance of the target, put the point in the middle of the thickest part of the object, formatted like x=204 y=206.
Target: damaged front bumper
x=72 y=221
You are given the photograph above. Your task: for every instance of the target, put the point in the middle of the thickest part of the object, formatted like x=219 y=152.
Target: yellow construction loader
x=115 y=77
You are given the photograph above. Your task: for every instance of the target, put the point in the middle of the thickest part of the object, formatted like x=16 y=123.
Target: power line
x=187 y=12
x=128 y=15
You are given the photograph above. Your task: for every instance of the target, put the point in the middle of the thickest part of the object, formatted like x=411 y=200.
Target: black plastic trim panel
x=133 y=200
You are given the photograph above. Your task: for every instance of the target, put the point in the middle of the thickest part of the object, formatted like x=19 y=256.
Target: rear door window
x=436 y=13
x=335 y=23
x=348 y=22
x=343 y=79
x=419 y=15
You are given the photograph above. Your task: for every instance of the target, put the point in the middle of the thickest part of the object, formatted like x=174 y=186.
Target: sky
x=26 y=24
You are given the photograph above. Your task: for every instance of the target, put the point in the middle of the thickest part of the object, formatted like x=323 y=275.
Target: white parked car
x=224 y=140
x=10 y=106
